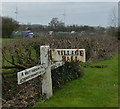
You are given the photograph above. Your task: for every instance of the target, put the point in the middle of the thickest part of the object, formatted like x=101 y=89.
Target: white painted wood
x=30 y=73
x=68 y=55
x=47 y=80
x=33 y=72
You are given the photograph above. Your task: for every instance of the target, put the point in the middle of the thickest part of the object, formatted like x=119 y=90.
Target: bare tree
x=56 y=23
x=113 y=22
x=119 y=14
x=114 y=17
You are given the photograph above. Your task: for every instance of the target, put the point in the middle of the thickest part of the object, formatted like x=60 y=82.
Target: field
x=97 y=88
x=90 y=84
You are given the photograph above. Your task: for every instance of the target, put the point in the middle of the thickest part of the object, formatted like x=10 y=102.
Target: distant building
x=72 y=32
x=50 y=32
x=23 y=34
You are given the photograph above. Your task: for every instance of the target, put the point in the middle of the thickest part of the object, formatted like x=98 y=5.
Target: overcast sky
x=80 y=13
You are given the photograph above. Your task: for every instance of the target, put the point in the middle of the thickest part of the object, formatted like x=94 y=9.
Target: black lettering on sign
x=63 y=58
x=62 y=52
x=81 y=53
x=22 y=74
x=68 y=59
x=77 y=52
x=76 y=59
x=27 y=72
x=67 y=52
x=58 y=52
x=72 y=52
x=72 y=59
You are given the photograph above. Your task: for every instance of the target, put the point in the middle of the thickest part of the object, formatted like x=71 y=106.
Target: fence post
x=47 y=80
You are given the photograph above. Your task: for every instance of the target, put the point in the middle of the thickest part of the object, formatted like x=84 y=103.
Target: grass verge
x=97 y=88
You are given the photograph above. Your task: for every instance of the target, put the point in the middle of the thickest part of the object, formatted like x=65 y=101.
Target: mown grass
x=97 y=88
x=7 y=39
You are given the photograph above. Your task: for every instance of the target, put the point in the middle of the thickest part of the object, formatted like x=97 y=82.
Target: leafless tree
x=55 y=23
x=114 y=17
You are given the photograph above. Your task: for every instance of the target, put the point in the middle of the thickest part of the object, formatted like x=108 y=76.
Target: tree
x=113 y=29
x=8 y=26
x=0 y=26
x=114 y=17
x=56 y=23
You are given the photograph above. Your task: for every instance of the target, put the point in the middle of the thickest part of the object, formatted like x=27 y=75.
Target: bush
x=8 y=26
x=24 y=53
x=65 y=73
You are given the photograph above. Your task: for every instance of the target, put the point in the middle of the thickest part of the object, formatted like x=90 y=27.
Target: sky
x=80 y=13
x=60 y=1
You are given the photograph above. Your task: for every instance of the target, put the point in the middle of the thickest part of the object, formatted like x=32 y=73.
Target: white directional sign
x=33 y=72
x=67 y=55
x=30 y=73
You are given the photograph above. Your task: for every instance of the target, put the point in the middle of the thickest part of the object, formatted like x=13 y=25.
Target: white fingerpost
x=47 y=80
x=58 y=58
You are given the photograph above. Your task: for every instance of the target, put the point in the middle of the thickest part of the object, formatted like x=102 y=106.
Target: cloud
x=0 y=9
x=60 y=1
x=92 y=13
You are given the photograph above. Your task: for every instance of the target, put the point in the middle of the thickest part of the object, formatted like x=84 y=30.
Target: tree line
x=9 y=25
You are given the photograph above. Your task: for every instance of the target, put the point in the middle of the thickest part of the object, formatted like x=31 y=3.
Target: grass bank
x=97 y=88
